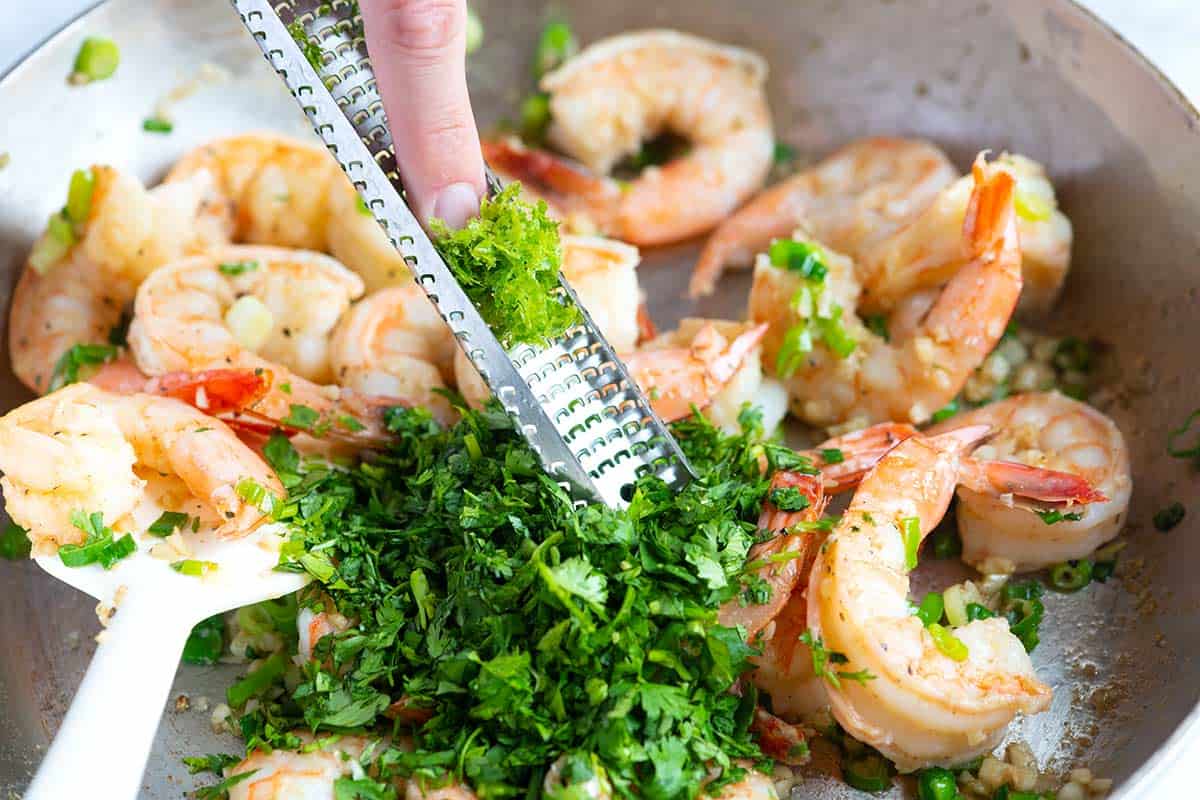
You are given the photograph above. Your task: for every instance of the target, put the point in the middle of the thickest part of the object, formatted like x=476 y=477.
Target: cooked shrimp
x=129 y=457
x=129 y=231
x=603 y=273
x=928 y=251
x=281 y=191
x=298 y=775
x=393 y=343
x=1050 y=431
x=708 y=364
x=919 y=706
x=313 y=626
x=311 y=773
x=902 y=379
x=862 y=193
x=293 y=298
x=623 y=91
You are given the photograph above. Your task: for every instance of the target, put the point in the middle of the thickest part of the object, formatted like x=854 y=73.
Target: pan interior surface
x=1039 y=77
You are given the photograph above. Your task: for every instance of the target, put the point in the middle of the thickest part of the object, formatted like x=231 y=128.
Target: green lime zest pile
x=501 y=627
x=507 y=260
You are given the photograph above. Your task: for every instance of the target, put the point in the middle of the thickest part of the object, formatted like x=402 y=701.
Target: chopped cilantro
x=783 y=153
x=1167 y=518
x=822 y=658
x=206 y=642
x=832 y=455
x=14 y=542
x=507 y=261
x=309 y=46
x=216 y=763
x=100 y=547
x=73 y=365
x=220 y=791
x=1182 y=432
x=789 y=498
x=524 y=627
x=1052 y=516
x=302 y=417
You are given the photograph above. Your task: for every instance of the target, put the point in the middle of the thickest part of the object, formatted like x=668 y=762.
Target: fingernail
x=456 y=204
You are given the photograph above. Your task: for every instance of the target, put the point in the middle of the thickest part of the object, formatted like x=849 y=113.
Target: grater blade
x=572 y=399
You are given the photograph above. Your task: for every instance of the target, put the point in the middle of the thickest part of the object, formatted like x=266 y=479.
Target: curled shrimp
x=128 y=232
x=312 y=772
x=863 y=192
x=603 y=273
x=1043 y=430
x=708 y=364
x=129 y=457
x=928 y=251
x=181 y=323
x=393 y=343
x=915 y=703
x=309 y=774
x=905 y=378
x=281 y=191
x=623 y=91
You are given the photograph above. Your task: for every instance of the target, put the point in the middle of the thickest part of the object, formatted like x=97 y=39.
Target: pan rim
x=1169 y=754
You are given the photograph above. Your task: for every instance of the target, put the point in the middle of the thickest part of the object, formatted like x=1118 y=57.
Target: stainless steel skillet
x=1038 y=76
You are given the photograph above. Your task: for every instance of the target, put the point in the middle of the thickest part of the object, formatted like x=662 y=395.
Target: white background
x=1168 y=31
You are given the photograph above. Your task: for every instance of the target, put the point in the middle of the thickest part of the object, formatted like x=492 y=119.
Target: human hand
x=418 y=49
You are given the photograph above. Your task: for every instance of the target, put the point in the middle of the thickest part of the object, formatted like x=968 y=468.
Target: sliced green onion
x=168 y=523
x=955 y=600
x=931 y=609
x=535 y=118
x=79 y=197
x=1071 y=576
x=474 y=31
x=1192 y=452
x=194 y=567
x=868 y=772
x=257 y=681
x=802 y=257
x=1053 y=516
x=73 y=365
x=976 y=611
x=157 y=125
x=556 y=44
x=910 y=533
x=104 y=551
x=235 y=268
x=835 y=334
x=97 y=59
x=936 y=783
x=361 y=206
x=945 y=412
x=951 y=646
x=1167 y=518
x=797 y=343
x=206 y=642
x=50 y=248
x=1033 y=206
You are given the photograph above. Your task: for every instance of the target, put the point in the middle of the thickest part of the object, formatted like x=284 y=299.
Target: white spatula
x=102 y=746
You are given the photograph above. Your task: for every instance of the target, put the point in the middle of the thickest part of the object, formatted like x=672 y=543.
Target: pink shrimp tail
x=1031 y=483
x=961 y=440
x=859 y=452
x=566 y=186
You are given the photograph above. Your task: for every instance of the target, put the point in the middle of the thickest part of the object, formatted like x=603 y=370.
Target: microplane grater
x=572 y=399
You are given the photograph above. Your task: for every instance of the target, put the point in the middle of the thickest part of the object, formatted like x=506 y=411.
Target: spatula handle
x=102 y=746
